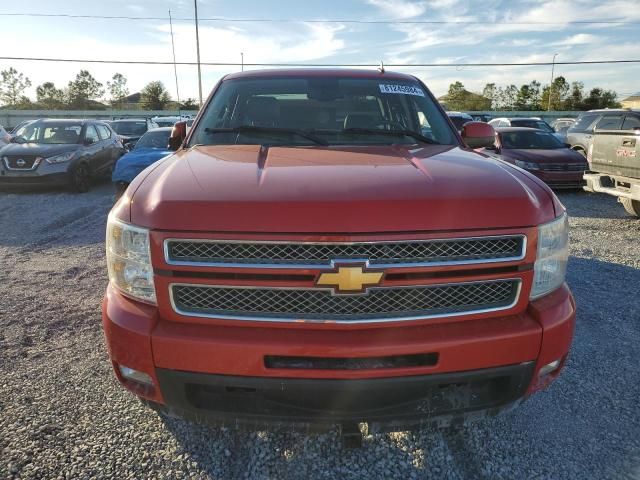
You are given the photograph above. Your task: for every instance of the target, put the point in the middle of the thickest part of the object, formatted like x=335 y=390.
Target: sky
x=496 y=38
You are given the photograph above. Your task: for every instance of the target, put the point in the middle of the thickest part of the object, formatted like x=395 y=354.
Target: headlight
x=527 y=165
x=553 y=253
x=129 y=260
x=64 y=157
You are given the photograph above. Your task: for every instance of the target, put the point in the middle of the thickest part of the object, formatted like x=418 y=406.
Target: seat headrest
x=361 y=120
x=263 y=111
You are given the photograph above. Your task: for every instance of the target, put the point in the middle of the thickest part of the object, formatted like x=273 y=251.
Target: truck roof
x=320 y=72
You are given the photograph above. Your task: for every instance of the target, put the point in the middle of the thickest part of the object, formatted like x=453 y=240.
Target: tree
x=49 y=96
x=459 y=98
x=535 y=95
x=599 y=98
x=84 y=89
x=489 y=92
x=12 y=87
x=575 y=98
x=154 y=96
x=117 y=88
x=510 y=97
x=190 y=104
x=559 y=91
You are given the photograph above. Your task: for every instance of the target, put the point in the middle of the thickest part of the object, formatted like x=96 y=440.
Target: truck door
x=601 y=155
x=628 y=147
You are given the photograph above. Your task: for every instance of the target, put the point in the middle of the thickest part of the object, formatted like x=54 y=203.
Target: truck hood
x=248 y=188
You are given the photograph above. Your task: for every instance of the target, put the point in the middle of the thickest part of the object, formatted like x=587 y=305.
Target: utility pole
x=175 y=66
x=553 y=64
x=241 y=61
x=195 y=5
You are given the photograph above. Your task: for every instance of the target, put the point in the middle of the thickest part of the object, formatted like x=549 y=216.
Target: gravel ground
x=63 y=415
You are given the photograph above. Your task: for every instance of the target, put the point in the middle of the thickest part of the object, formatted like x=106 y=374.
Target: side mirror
x=178 y=134
x=88 y=141
x=478 y=134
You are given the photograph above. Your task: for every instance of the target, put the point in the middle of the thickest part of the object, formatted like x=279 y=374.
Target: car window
x=585 y=123
x=336 y=110
x=531 y=139
x=91 y=134
x=531 y=124
x=610 y=122
x=50 y=132
x=154 y=139
x=130 y=127
x=631 y=122
x=103 y=131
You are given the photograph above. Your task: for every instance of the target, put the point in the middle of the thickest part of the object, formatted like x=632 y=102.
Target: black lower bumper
x=384 y=403
x=54 y=179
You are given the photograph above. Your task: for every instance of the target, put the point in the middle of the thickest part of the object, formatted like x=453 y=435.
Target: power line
x=319 y=20
x=293 y=65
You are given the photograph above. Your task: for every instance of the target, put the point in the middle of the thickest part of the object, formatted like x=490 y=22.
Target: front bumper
x=560 y=180
x=219 y=373
x=26 y=180
x=383 y=403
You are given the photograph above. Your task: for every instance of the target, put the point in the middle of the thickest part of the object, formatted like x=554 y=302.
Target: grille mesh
x=564 y=167
x=318 y=304
x=418 y=252
x=12 y=162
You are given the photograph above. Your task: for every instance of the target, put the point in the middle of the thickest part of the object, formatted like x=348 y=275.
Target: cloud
x=400 y=9
x=300 y=43
x=578 y=39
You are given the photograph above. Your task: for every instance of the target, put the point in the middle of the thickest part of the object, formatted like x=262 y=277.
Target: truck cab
x=325 y=248
x=614 y=161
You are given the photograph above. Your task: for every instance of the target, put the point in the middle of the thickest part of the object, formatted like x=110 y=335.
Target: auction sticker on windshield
x=401 y=89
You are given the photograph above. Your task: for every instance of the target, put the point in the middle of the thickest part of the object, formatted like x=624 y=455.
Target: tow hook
x=351 y=434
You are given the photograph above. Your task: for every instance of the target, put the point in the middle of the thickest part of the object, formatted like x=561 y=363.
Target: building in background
x=631 y=102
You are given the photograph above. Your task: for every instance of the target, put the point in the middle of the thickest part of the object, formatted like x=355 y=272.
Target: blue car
x=151 y=147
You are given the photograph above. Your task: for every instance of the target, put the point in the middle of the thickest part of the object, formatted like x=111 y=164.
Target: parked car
x=59 y=152
x=581 y=133
x=151 y=147
x=131 y=129
x=166 y=121
x=614 y=162
x=459 y=119
x=308 y=257
x=562 y=124
x=542 y=154
x=481 y=117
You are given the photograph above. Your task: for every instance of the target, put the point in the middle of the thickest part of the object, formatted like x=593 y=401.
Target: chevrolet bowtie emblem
x=349 y=279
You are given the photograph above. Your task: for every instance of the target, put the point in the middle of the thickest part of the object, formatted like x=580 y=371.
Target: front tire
x=631 y=206
x=80 y=178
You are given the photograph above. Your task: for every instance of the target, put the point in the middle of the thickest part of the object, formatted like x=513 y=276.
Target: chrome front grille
x=380 y=254
x=20 y=162
x=380 y=304
x=564 y=167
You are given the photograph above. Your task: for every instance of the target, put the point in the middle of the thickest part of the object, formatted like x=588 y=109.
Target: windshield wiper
x=276 y=130
x=394 y=133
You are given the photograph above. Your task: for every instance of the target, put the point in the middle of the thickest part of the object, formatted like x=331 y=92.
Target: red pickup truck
x=325 y=248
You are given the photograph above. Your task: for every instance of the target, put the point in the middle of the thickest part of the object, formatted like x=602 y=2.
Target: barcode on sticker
x=401 y=89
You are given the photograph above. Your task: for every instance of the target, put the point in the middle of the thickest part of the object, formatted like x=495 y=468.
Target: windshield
x=129 y=127
x=326 y=110
x=159 y=139
x=542 y=125
x=49 y=133
x=533 y=139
